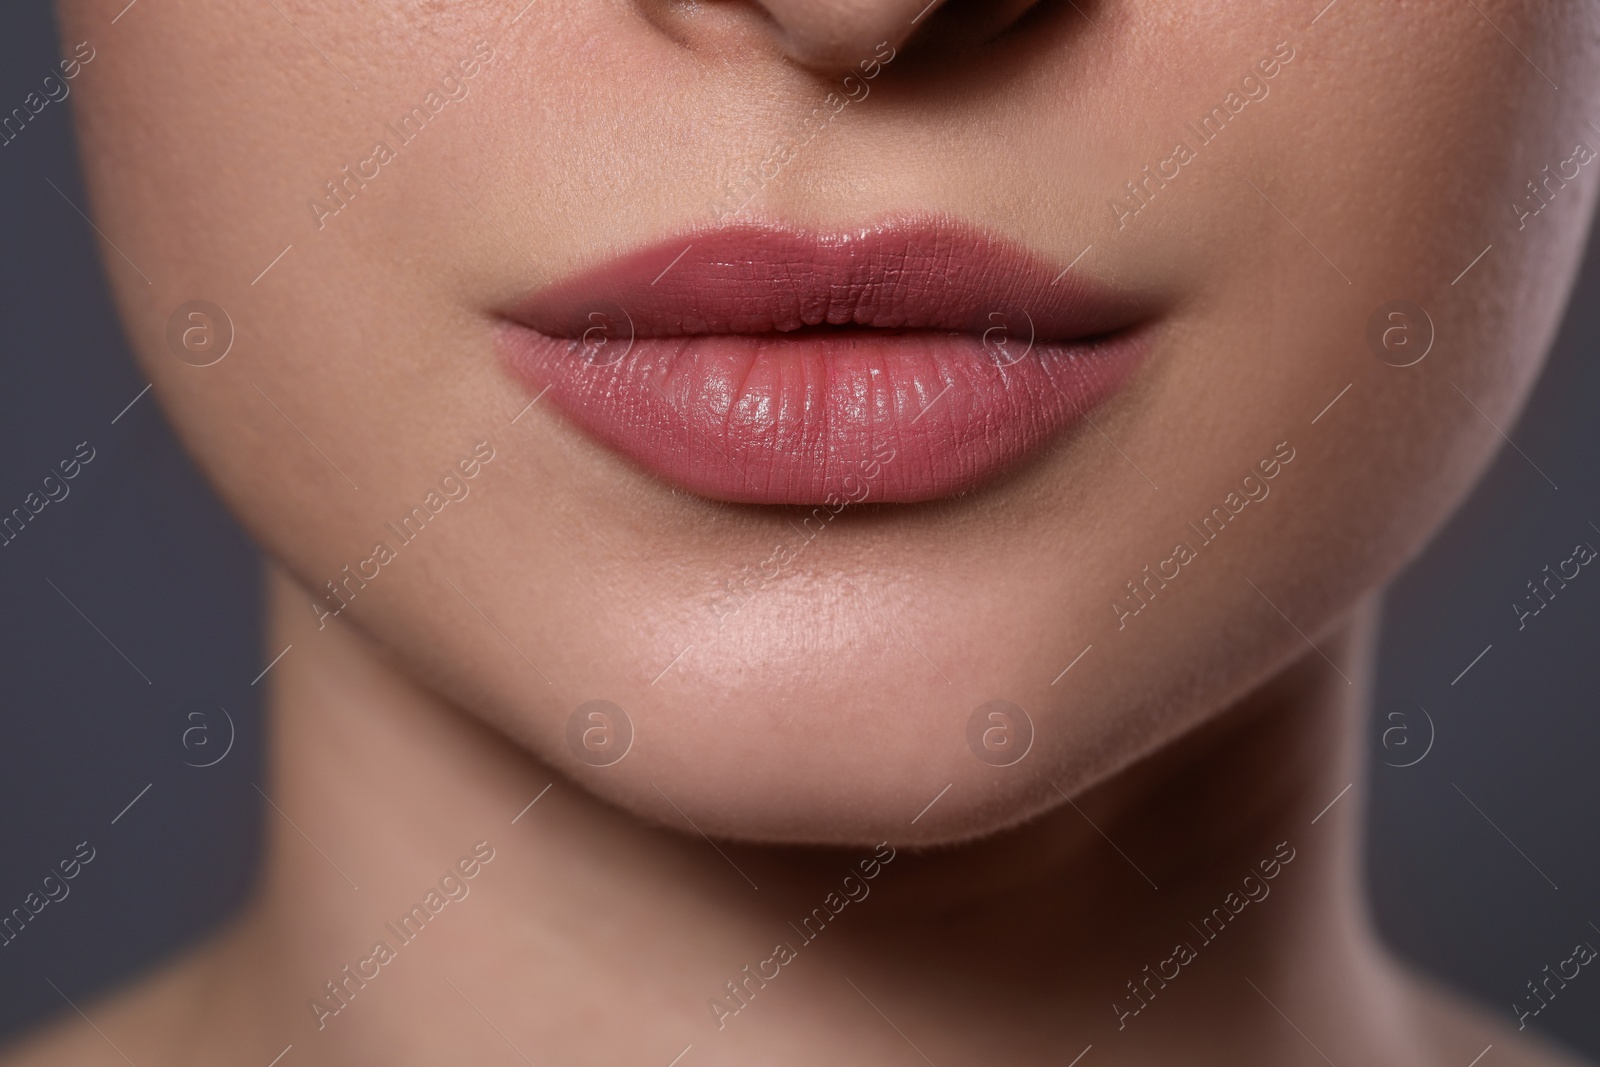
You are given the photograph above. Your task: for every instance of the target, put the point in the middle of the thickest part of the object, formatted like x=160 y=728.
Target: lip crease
x=903 y=362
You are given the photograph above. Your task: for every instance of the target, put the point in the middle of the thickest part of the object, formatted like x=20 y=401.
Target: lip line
x=811 y=333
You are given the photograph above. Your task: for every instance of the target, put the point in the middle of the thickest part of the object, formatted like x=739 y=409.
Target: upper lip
x=895 y=275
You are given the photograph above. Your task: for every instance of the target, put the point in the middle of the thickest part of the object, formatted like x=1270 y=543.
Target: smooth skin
x=778 y=745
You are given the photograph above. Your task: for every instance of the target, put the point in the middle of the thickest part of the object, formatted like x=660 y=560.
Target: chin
x=858 y=754
x=824 y=795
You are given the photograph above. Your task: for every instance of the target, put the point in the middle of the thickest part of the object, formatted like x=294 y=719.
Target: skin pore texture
x=795 y=720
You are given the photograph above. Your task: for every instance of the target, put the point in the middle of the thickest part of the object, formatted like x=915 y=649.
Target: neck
x=1124 y=919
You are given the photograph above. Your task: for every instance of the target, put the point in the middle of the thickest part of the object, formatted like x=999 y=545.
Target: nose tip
x=834 y=34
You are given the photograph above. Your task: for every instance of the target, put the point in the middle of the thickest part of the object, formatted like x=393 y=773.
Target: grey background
x=143 y=550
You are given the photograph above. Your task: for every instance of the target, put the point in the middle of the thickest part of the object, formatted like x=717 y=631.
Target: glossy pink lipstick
x=905 y=362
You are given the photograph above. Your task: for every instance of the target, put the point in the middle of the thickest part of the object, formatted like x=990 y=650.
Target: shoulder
x=1460 y=1030
x=86 y=1033
x=148 y=1020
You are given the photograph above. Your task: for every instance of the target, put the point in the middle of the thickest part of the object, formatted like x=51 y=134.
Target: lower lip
x=825 y=418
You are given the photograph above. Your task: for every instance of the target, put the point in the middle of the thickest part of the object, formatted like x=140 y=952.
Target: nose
x=836 y=34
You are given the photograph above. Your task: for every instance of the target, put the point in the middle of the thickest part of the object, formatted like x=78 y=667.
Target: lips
x=906 y=362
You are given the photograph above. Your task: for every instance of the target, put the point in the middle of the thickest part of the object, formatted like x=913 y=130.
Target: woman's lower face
x=794 y=411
